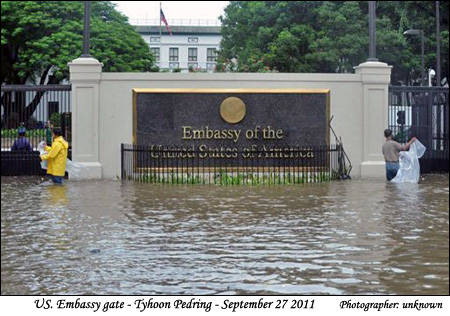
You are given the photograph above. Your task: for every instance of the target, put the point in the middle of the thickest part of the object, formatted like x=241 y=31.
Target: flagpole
x=160 y=37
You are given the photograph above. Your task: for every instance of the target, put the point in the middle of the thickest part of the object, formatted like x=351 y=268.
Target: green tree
x=422 y=15
x=39 y=38
x=329 y=36
x=259 y=34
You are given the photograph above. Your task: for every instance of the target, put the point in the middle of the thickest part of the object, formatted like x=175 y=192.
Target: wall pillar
x=375 y=77
x=85 y=75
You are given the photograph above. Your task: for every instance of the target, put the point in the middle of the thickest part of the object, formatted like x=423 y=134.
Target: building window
x=155 y=52
x=211 y=54
x=193 y=66
x=192 y=54
x=192 y=39
x=174 y=65
x=173 y=54
x=154 y=39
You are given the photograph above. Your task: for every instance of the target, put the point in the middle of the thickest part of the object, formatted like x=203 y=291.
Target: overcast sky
x=203 y=10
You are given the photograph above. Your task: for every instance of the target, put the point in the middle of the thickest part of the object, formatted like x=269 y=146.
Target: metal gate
x=35 y=110
x=422 y=112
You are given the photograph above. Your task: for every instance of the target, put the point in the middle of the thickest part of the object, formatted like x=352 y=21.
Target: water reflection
x=419 y=222
x=109 y=237
x=56 y=196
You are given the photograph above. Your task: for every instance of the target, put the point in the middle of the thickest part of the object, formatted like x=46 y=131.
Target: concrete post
x=85 y=75
x=375 y=77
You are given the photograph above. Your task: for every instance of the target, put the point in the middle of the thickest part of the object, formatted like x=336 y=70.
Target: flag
x=163 y=18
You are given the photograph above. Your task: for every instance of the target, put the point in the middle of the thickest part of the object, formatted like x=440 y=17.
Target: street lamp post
x=372 y=32
x=422 y=38
x=87 y=29
x=438 y=45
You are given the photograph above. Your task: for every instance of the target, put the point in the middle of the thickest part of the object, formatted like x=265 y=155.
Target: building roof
x=179 y=30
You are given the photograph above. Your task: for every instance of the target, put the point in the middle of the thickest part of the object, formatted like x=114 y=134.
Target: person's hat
x=22 y=130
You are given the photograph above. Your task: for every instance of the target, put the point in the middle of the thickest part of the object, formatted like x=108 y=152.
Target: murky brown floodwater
x=108 y=237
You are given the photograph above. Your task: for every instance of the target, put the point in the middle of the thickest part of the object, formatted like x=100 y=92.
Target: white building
x=188 y=47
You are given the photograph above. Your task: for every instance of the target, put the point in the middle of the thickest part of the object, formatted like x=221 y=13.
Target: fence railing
x=23 y=163
x=37 y=109
x=422 y=111
x=435 y=161
x=243 y=166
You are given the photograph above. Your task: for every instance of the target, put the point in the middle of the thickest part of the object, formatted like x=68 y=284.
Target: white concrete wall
x=358 y=104
x=116 y=104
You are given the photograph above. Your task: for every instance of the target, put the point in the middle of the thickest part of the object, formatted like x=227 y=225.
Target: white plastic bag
x=420 y=149
x=41 y=149
x=409 y=163
x=76 y=170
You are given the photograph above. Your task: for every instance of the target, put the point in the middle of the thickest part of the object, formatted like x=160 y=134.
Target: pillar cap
x=373 y=64
x=374 y=72
x=85 y=61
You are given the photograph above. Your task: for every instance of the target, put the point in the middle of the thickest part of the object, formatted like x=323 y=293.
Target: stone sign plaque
x=231 y=127
x=231 y=118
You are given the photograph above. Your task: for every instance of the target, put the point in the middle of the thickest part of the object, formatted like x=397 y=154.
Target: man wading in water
x=391 y=150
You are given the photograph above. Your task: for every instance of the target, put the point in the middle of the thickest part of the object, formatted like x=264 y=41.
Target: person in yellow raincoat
x=56 y=157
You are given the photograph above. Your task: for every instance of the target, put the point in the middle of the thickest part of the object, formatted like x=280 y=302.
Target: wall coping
x=278 y=77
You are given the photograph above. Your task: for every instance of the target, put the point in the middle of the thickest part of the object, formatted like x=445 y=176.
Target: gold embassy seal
x=232 y=110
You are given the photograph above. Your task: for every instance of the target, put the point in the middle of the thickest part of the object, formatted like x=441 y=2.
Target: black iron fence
x=36 y=109
x=23 y=163
x=237 y=166
x=422 y=112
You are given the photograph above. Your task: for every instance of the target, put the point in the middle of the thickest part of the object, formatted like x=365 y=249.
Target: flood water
x=112 y=237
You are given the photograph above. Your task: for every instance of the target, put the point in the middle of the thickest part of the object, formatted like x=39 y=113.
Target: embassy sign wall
x=231 y=125
x=103 y=114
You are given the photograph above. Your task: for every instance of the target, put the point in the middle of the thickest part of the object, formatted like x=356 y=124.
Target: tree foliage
x=39 y=38
x=329 y=36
